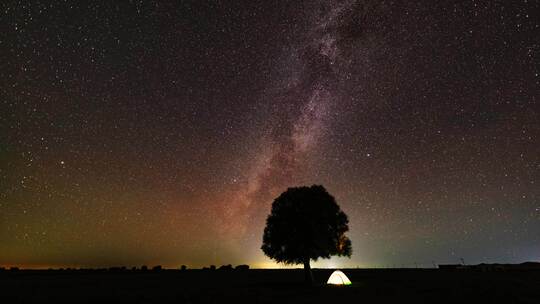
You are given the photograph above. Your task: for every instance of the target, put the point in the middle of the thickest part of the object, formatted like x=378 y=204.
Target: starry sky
x=159 y=132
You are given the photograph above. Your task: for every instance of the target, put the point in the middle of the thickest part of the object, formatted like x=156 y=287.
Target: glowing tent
x=338 y=278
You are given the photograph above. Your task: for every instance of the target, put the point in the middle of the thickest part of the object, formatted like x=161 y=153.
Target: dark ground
x=269 y=286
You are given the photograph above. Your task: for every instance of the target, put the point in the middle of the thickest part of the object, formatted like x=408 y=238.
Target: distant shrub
x=14 y=269
x=242 y=267
x=226 y=267
x=212 y=267
x=157 y=268
x=183 y=267
x=144 y=268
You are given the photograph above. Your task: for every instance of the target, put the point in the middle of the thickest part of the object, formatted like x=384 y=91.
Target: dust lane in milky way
x=158 y=132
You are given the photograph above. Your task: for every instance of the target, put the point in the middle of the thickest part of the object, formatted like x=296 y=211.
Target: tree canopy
x=305 y=224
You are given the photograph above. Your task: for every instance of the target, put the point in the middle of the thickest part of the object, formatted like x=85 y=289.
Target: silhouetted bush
x=157 y=268
x=133 y=268
x=144 y=268
x=183 y=267
x=14 y=269
x=226 y=267
x=242 y=267
x=212 y=267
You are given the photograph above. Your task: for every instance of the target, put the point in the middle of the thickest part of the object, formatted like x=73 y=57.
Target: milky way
x=306 y=101
x=159 y=132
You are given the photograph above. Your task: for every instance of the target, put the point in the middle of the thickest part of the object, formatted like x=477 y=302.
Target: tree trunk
x=307 y=272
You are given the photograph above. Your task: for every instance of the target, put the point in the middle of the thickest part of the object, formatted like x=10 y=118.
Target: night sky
x=141 y=132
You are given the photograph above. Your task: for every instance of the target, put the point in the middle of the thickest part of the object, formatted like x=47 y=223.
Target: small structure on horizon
x=338 y=278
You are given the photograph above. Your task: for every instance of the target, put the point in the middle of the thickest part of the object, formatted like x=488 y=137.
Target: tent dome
x=338 y=278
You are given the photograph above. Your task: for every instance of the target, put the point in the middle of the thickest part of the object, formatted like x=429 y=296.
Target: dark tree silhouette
x=305 y=224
